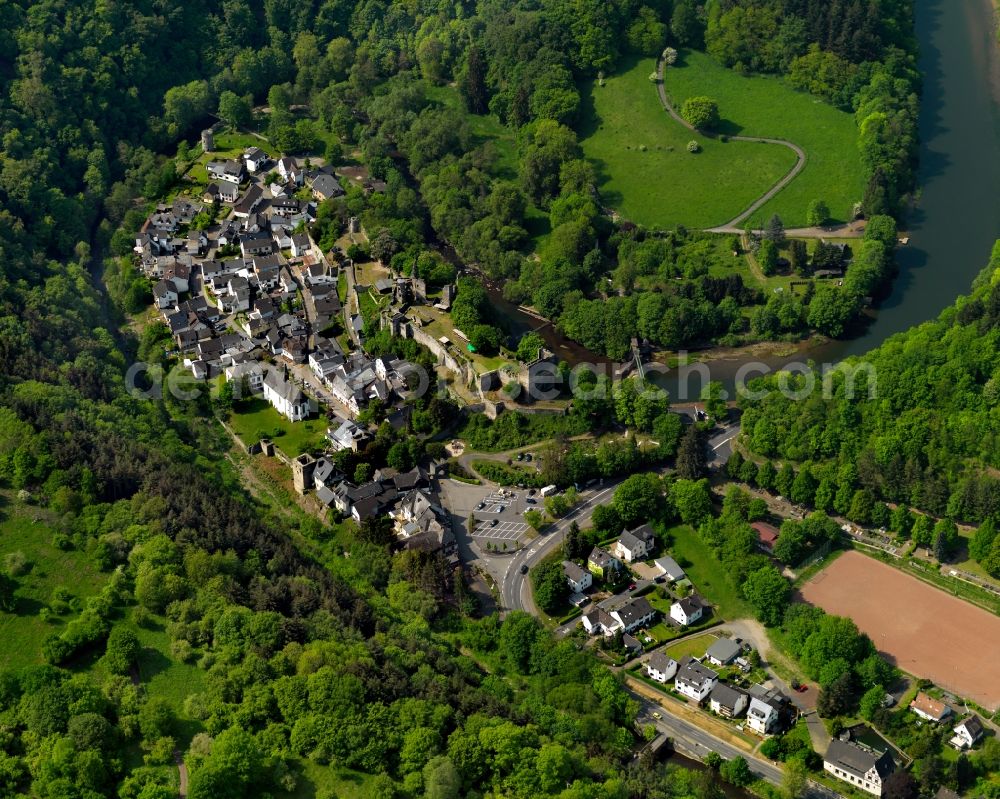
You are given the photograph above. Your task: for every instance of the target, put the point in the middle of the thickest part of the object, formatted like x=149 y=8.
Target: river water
x=956 y=219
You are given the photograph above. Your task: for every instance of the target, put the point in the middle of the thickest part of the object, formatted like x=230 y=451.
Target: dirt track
x=926 y=631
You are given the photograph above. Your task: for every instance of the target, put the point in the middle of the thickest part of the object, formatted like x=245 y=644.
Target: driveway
x=754 y=632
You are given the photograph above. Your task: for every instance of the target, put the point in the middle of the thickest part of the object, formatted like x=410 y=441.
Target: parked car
x=802 y=688
x=493 y=523
x=480 y=506
x=631 y=586
x=520 y=456
x=531 y=492
x=527 y=457
x=531 y=501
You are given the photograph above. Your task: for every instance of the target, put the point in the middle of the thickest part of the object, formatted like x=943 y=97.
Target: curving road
x=515 y=588
x=733 y=225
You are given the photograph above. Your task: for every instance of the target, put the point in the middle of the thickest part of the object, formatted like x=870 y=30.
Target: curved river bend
x=957 y=218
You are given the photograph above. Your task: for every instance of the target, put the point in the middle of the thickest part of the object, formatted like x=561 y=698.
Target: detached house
x=766 y=708
x=347 y=435
x=326 y=187
x=694 y=680
x=300 y=244
x=669 y=569
x=251 y=371
x=237 y=296
x=579 y=579
x=635 y=544
x=728 y=701
x=967 y=733
x=634 y=614
x=929 y=708
x=286 y=397
x=165 y=294
x=230 y=170
x=686 y=611
x=255 y=158
x=723 y=652
x=225 y=191
x=660 y=666
x=289 y=171
x=861 y=767
x=601 y=563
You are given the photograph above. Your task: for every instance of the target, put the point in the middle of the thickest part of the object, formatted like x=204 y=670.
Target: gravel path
x=734 y=224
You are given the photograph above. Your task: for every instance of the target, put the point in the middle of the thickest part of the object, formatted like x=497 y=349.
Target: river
x=953 y=225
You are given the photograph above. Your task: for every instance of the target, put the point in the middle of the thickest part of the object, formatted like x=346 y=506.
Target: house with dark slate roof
x=858 y=765
x=728 y=701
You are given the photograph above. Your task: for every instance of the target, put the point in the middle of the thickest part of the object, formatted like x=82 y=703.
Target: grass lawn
x=256 y=419
x=665 y=185
x=369 y=307
x=707 y=573
x=695 y=646
x=22 y=631
x=343 y=783
x=767 y=106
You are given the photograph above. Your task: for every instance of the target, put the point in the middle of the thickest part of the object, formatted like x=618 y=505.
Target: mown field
x=664 y=185
x=766 y=106
x=707 y=573
x=255 y=419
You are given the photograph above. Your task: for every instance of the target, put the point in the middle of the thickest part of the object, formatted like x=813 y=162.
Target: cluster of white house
x=766 y=709
x=253 y=288
x=967 y=732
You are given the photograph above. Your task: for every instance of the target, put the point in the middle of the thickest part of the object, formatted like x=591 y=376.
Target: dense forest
x=915 y=423
x=305 y=661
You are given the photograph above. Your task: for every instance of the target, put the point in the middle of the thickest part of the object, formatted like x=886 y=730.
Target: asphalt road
x=693 y=741
x=515 y=589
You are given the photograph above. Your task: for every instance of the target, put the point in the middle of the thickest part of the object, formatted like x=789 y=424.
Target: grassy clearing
x=696 y=646
x=49 y=567
x=256 y=419
x=766 y=106
x=319 y=780
x=707 y=573
x=665 y=185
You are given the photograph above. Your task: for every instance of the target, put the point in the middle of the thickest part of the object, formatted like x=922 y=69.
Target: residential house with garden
x=859 y=766
x=723 y=652
x=967 y=733
x=602 y=563
x=695 y=680
x=687 y=611
x=660 y=666
x=930 y=709
x=634 y=545
x=728 y=701
x=578 y=578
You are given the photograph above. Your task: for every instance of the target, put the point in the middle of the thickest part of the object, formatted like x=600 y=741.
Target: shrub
x=693 y=146
x=16 y=564
x=701 y=112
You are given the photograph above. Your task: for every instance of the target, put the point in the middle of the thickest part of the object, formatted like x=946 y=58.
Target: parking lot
x=501 y=531
x=499 y=513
